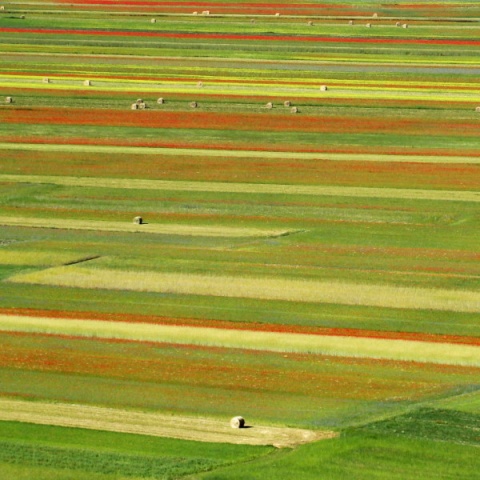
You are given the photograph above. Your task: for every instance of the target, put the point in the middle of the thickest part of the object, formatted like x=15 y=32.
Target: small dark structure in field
x=269 y=105
x=138 y=220
x=8 y=99
x=237 y=422
x=294 y=110
x=193 y=104
x=160 y=101
x=323 y=88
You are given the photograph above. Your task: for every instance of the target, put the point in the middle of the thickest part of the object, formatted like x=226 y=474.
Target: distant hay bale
x=294 y=110
x=22 y=17
x=8 y=100
x=138 y=220
x=310 y=23
x=405 y=25
x=368 y=25
x=87 y=83
x=277 y=14
x=252 y=20
x=237 y=422
x=477 y=109
x=160 y=101
x=46 y=80
x=200 y=84
x=398 y=24
x=287 y=103
x=142 y=106
x=323 y=88
x=153 y=20
x=2 y=7
x=269 y=105
x=375 y=15
x=206 y=12
x=350 y=22
x=193 y=104
x=195 y=13
x=139 y=101
x=134 y=106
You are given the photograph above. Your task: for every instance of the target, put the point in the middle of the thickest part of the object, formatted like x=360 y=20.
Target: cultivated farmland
x=213 y=209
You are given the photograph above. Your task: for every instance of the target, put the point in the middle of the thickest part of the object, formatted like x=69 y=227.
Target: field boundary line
x=349 y=157
x=200 y=429
x=260 y=188
x=342 y=346
x=129 y=227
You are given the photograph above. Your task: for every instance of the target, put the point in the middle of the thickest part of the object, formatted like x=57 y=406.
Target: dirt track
x=186 y=428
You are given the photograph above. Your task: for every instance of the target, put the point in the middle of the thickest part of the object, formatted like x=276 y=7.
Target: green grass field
x=311 y=263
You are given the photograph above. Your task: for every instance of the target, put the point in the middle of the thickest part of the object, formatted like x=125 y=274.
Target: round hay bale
x=405 y=25
x=237 y=422
x=193 y=104
x=323 y=88
x=153 y=20
x=269 y=105
x=87 y=83
x=22 y=17
x=2 y=7
x=477 y=109
x=350 y=22
x=160 y=101
x=310 y=23
x=195 y=13
x=138 y=220
x=46 y=80
x=139 y=101
x=398 y=24
x=277 y=14
x=369 y=25
x=252 y=20
x=134 y=106
x=375 y=15
x=206 y=12
x=287 y=103
x=142 y=106
x=200 y=84
x=294 y=110
x=8 y=100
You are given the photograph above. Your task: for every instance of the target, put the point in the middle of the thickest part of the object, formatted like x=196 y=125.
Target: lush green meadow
x=308 y=253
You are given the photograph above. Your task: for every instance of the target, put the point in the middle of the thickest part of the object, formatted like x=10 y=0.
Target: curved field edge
x=401 y=350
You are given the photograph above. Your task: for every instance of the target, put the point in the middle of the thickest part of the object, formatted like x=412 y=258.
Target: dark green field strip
x=122 y=455
x=430 y=424
x=366 y=457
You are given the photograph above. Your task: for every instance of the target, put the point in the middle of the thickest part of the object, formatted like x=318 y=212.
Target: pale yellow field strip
x=265 y=288
x=199 y=429
x=19 y=257
x=399 y=350
x=350 y=157
x=130 y=227
x=274 y=189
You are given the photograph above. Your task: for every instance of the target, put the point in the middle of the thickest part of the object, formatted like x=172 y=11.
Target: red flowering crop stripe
x=219 y=36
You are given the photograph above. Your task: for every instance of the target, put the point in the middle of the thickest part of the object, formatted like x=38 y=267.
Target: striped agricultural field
x=265 y=288
x=400 y=350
